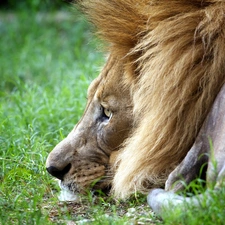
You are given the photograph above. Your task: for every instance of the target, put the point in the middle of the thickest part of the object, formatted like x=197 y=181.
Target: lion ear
x=117 y=22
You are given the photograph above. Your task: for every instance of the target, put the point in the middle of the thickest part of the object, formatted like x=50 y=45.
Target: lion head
x=83 y=158
x=147 y=106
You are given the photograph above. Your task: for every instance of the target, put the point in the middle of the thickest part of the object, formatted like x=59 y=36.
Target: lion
x=149 y=105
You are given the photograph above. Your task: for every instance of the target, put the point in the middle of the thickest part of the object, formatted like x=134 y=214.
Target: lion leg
x=190 y=167
x=208 y=147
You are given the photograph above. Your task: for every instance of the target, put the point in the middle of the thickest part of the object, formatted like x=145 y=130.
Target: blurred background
x=33 y=5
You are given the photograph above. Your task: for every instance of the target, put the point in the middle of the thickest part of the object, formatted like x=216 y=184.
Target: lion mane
x=173 y=54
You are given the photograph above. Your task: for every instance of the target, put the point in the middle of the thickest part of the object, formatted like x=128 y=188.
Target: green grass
x=46 y=65
x=47 y=62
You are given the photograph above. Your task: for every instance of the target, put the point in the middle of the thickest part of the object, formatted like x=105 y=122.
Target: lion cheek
x=83 y=175
x=88 y=178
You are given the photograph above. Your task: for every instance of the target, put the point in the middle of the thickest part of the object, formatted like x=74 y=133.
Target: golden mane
x=174 y=54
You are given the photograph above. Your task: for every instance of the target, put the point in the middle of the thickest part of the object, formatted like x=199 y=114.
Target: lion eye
x=107 y=113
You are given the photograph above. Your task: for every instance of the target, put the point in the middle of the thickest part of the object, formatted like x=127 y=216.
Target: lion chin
x=154 y=115
x=67 y=195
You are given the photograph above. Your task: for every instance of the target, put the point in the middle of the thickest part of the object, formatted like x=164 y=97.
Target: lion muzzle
x=58 y=163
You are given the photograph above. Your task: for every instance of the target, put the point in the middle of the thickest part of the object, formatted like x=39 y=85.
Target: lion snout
x=59 y=160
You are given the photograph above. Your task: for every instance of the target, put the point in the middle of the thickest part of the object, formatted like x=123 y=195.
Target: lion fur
x=173 y=52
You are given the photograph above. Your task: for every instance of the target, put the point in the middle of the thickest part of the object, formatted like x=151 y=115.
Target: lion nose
x=58 y=173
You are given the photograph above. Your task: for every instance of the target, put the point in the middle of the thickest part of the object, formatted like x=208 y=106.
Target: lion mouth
x=66 y=195
x=86 y=177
